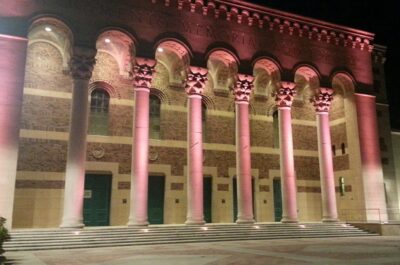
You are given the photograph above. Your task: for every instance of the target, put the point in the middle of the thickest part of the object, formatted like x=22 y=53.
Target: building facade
x=175 y=111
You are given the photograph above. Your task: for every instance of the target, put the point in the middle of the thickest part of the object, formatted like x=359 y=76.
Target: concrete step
x=42 y=239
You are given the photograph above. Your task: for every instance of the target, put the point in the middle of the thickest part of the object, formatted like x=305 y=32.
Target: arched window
x=275 y=128
x=203 y=120
x=155 y=111
x=99 y=108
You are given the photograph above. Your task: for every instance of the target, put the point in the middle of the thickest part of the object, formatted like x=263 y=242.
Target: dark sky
x=381 y=18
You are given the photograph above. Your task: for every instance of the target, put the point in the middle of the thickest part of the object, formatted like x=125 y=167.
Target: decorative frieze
x=275 y=20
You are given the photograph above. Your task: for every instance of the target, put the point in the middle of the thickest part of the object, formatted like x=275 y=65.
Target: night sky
x=381 y=18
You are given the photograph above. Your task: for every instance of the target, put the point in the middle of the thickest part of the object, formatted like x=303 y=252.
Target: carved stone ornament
x=143 y=73
x=98 y=152
x=322 y=101
x=82 y=63
x=243 y=88
x=285 y=94
x=196 y=81
x=153 y=155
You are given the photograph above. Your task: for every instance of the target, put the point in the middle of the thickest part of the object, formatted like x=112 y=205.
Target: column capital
x=143 y=72
x=243 y=88
x=196 y=81
x=285 y=94
x=322 y=100
x=82 y=63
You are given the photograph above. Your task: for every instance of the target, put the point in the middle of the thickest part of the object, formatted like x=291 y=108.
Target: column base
x=195 y=222
x=72 y=225
x=330 y=220
x=245 y=221
x=138 y=224
x=287 y=220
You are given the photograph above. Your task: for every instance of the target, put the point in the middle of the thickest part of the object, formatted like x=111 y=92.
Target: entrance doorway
x=277 y=199
x=97 y=197
x=235 y=198
x=207 y=198
x=156 y=199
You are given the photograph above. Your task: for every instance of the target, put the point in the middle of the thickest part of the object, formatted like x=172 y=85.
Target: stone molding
x=196 y=81
x=274 y=20
x=82 y=63
x=322 y=101
x=285 y=94
x=243 y=88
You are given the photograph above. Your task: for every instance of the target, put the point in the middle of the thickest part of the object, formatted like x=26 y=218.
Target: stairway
x=47 y=239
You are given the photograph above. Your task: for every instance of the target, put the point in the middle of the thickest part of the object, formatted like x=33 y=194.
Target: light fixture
x=48 y=29
x=160 y=49
x=145 y=230
x=107 y=40
x=204 y=228
x=256 y=227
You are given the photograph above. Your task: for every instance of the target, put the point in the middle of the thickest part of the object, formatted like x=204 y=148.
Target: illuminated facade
x=169 y=111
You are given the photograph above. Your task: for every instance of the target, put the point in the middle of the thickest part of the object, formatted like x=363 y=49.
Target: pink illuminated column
x=12 y=70
x=144 y=70
x=194 y=88
x=374 y=192
x=242 y=92
x=284 y=99
x=322 y=102
x=81 y=64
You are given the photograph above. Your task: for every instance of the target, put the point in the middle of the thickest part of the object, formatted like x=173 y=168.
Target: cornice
x=274 y=20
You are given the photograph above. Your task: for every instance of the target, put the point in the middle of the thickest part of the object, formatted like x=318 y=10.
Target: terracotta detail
x=285 y=94
x=223 y=187
x=322 y=101
x=196 y=81
x=243 y=88
x=143 y=73
x=82 y=63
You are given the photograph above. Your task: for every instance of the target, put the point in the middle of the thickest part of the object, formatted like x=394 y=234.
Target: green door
x=207 y=199
x=96 y=205
x=156 y=199
x=235 y=200
x=277 y=200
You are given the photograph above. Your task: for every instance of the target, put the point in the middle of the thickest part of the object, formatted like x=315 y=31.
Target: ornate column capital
x=243 y=88
x=285 y=94
x=143 y=70
x=196 y=81
x=82 y=63
x=323 y=99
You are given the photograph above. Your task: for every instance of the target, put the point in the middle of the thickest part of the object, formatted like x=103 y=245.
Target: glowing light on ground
x=145 y=230
x=204 y=228
x=256 y=227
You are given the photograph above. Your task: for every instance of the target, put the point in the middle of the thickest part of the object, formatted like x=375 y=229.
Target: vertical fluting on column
x=195 y=83
x=372 y=174
x=12 y=71
x=82 y=63
x=138 y=216
x=284 y=99
x=322 y=102
x=242 y=92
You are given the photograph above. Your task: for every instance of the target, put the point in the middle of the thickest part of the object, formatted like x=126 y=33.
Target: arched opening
x=223 y=68
x=266 y=78
x=99 y=112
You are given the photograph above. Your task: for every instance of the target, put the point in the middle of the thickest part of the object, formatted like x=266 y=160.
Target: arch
x=164 y=98
x=343 y=83
x=175 y=56
x=54 y=31
x=121 y=46
x=222 y=67
x=267 y=76
x=106 y=86
x=307 y=79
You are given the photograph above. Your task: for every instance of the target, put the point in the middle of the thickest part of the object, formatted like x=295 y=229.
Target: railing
x=370 y=215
